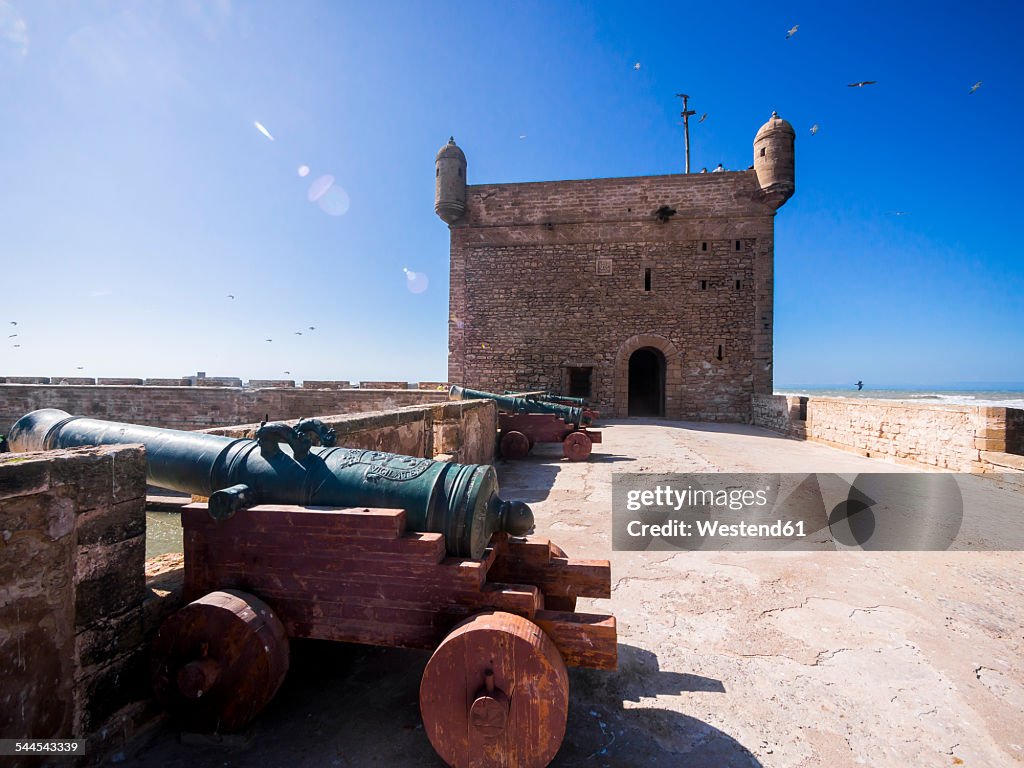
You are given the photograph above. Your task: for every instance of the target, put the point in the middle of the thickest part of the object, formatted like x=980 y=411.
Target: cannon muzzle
x=281 y=466
x=571 y=414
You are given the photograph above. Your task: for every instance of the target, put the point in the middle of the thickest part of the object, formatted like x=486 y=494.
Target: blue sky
x=136 y=192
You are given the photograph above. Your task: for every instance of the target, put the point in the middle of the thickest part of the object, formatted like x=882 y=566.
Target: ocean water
x=1009 y=397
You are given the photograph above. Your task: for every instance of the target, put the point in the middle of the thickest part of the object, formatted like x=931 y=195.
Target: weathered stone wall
x=959 y=438
x=782 y=413
x=1015 y=430
x=72 y=547
x=551 y=276
x=198 y=407
x=464 y=430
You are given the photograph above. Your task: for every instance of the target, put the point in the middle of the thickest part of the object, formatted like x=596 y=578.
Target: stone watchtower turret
x=774 y=160
x=450 y=182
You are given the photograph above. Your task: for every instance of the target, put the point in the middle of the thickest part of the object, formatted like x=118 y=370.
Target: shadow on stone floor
x=642 y=735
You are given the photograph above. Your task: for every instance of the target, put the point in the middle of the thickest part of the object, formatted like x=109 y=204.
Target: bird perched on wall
x=718 y=169
x=664 y=213
x=814 y=129
x=974 y=87
x=792 y=32
x=861 y=84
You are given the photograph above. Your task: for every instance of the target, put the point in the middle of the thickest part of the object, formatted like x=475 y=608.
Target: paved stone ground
x=726 y=659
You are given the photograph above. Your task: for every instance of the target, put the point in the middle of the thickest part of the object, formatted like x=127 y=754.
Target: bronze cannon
x=524 y=421
x=282 y=466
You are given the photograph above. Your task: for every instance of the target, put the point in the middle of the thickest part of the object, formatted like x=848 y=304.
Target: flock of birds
x=815 y=128
x=295 y=333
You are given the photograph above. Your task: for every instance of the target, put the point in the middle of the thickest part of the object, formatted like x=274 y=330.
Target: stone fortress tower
x=650 y=295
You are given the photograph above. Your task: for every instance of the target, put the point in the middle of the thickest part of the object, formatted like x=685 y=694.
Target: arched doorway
x=647 y=382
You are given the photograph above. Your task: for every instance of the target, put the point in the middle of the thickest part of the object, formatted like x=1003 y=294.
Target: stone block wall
x=199 y=407
x=957 y=438
x=781 y=413
x=72 y=549
x=553 y=276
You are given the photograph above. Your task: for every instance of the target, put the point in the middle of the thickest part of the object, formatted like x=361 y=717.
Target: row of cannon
x=300 y=538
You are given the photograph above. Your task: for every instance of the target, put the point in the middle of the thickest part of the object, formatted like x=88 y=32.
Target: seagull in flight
x=974 y=87
x=79 y=367
x=231 y=295
x=269 y=339
x=702 y=118
x=792 y=32
x=298 y=333
x=814 y=129
x=312 y=327
x=14 y=322
x=12 y=336
x=636 y=67
x=861 y=84
x=900 y=213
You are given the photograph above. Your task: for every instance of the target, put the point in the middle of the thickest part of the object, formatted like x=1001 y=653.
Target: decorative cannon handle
x=326 y=435
x=270 y=436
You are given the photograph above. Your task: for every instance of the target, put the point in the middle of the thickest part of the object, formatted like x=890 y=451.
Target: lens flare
x=416 y=282
x=334 y=201
x=260 y=127
x=319 y=187
x=303 y=171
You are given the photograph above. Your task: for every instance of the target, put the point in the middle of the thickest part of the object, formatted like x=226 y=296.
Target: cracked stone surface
x=788 y=659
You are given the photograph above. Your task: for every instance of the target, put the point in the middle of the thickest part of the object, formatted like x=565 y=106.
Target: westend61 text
x=666 y=496
x=711 y=528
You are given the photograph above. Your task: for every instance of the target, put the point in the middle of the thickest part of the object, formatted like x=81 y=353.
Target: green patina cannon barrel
x=552 y=397
x=281 y=466
x=571 y=414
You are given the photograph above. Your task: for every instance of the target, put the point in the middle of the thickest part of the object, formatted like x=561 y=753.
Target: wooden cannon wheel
x=219 y=661
x=576 y=446
x=495 y=694
x=514 y=445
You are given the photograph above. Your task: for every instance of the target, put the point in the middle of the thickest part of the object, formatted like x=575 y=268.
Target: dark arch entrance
x=647 y=382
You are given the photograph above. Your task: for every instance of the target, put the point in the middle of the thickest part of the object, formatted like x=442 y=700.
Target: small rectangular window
x=739 y=284
x=737 y=245
x=580 y=382
x=762 y=151
x=704 y=246
x=703 y=285
x=647 y=279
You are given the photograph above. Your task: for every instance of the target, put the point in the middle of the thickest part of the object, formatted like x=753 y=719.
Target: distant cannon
x=551 y=397
x=524 y=421
x=281 y=466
